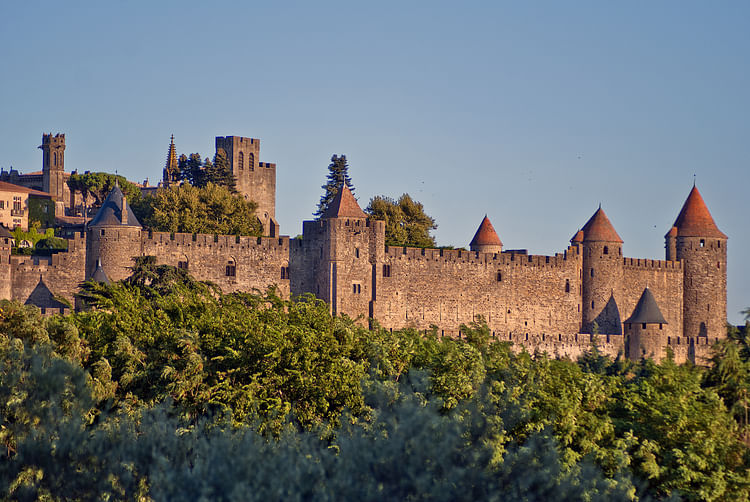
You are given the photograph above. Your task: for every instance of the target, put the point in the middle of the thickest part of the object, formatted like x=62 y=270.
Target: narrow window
x=703 y=243
x=567 y=285
x=54 y=159
x=102 y=232
x=251 y=161
x=285 y=272
x=592 y=272
x=182 y=265
x=241 y=160
x=660 y=325
x=499 y=276
x=356 y=252
x=643 y=325
x=592 y=304
x=606 y=249
x=231 y=269
x=386 y=270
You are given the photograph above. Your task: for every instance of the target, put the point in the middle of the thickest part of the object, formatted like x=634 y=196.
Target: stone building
x=560 y=304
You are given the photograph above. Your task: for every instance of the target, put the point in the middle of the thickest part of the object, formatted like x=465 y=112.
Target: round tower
x=602 y=275
x=644 y=330
x=113 y=238
x=703 y=247
x=486 y=239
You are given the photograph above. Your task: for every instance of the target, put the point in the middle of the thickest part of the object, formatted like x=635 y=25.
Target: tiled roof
x=599 y=228
x=486 y=235
x=111 y=211
x=646 y=311
x=42 y=297
x=344 y=205
x=695 y=220
x=10 y=187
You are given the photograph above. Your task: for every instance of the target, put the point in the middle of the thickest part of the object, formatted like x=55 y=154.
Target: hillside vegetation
x=169 y=390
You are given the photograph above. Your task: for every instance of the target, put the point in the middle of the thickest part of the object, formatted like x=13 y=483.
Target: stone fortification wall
x=235 y=263
x=515 y=293
x=571 y=346
x=664 y=279
x=62 y=272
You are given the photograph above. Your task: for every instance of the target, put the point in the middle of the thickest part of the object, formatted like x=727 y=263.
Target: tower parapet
x=53 y=165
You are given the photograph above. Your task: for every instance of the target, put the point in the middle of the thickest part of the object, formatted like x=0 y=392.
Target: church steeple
x=171 y=168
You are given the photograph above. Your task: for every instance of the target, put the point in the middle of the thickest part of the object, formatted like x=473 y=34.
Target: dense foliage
x=211 y=209
x=338 y=175
x=171 y=390
x=406 y=223
x=96 y=186
x=200 y=173
x=42 y=242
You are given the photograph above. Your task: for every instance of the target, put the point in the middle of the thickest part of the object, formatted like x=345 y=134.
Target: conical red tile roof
x=486 y=235
x=694 y=219
x=599 y=228
x=344 y=205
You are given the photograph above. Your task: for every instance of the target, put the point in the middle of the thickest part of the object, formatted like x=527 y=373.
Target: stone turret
x=113 y=238
x=644 y=330
x=486 y=239
x=602 y=275
x=697 y=240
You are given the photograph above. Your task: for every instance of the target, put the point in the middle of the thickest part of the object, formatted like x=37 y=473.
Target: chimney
x=124 y=214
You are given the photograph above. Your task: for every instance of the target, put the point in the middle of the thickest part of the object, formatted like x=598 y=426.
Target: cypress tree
x=338 y=174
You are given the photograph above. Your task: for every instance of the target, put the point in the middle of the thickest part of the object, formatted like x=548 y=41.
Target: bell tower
x=53 y=165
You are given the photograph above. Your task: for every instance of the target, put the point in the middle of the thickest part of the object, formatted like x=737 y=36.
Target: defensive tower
x=644 y=330
x=255 y=180
x=486 y=239
x=602 y=274
x=696 y=239
x=113 y=239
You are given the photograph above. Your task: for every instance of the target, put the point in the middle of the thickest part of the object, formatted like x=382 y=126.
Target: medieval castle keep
x=557 y=304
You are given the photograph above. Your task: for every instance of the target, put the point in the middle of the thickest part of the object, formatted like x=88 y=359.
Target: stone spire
x=486 y=239
x=171 y=168
x=695 y=220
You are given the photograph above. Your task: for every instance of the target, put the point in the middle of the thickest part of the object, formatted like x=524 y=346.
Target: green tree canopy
x=338 y=174
x=98 y=186
x=200 y=173
x=211 y=209
x=406 y=223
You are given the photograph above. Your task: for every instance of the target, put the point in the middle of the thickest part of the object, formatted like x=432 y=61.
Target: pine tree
x=221 y=173
x=338 y=174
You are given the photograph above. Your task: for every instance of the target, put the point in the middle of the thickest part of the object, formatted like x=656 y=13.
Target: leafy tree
x=97 y=186
x=191 y=169
x=406 y=223
x=211 y=209
x=338 y=175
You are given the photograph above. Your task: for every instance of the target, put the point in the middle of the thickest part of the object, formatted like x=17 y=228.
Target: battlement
x=270 y=244
x=56 y=140
x=267 y=165
x=564 y=345
x=476 y=257
x=645 y=263
x=238 y=140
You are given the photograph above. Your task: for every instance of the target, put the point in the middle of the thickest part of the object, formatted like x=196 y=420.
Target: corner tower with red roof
x=486 y=239
x=602 y=275
x=697 y=240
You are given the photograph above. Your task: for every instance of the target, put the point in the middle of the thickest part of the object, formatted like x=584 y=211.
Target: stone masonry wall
x=257 y=261
x=664 y=279
x=515 y=293
x=62 y=272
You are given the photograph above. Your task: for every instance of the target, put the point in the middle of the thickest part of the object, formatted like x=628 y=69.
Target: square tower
x=255 y=180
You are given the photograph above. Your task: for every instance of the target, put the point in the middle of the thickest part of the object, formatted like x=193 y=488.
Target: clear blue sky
x=531 y=112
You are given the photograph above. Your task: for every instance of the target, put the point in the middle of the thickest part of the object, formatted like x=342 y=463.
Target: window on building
x=643 y=325
x=606 y=249
x=241 y=160
x=231 y=269
x=2 y=204
x=703 y=242
x=251 y=161
x=592 y=272
x=101 y=232
x=356 y=252
x=16 y=203
x=499 y=276
x=592 y=304
x=182 y=264
x=356 y=288
x=285 y=272
x=386 y=270
x=567 y=285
